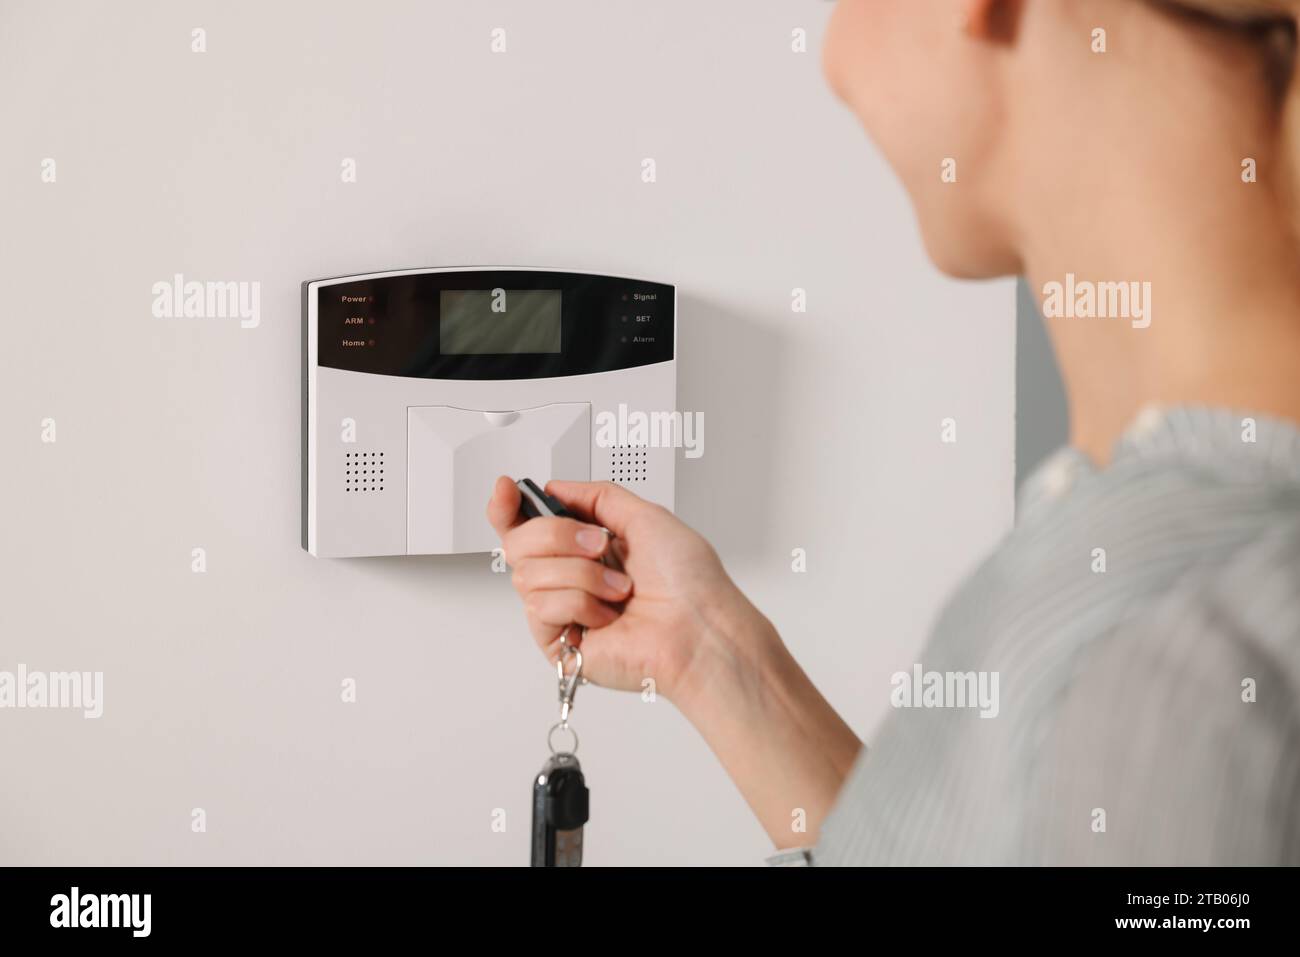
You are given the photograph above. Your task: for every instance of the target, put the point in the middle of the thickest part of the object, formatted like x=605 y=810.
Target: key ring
x=550 y=735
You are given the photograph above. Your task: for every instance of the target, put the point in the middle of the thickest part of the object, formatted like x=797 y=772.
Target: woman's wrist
x=734 y=646
x=779 y=740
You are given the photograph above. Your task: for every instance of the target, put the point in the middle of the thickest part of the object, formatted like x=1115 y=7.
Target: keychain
x=560 y=795
x=560 y=791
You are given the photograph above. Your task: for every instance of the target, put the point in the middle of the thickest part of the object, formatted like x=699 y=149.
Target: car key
x=560 y=809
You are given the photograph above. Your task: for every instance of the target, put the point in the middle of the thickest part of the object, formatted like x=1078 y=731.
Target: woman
x=1144 y=615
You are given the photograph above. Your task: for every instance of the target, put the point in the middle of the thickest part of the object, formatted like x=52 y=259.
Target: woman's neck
x=1185 y=195
x=1212 y=316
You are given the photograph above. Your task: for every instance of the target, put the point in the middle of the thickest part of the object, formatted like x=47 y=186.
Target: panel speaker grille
x=627 y=464
x=363 y=472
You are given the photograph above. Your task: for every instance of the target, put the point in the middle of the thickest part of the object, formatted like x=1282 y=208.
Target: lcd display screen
x=499 y=321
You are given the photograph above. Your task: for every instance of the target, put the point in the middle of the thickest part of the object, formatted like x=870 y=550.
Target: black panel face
x=497 y=325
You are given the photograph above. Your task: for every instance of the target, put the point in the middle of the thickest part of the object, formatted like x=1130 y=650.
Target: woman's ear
x=994 y=21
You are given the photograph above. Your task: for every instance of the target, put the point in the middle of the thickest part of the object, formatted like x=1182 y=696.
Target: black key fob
x=559 y=812
x=534 y=503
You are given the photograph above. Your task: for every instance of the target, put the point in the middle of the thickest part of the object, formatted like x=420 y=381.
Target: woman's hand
x=669 y=616
x=675 y=617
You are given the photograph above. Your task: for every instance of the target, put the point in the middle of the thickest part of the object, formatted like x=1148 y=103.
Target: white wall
x=222 y=689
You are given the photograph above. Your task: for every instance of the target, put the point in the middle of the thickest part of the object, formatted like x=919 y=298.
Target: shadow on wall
x=730 y=371
x=1042 y=418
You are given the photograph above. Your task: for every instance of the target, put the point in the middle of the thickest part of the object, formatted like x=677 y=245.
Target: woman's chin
x=967 y=257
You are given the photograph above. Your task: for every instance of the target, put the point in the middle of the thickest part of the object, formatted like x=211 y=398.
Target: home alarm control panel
x=421 y=386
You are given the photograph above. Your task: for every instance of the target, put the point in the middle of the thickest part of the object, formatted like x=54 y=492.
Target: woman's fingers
x=608 y=504
x=556 y=569
x=522 y=538
x=567 y=592
x=556 y=609
x=562 y=593
x=546 y=574
x=553 y=537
